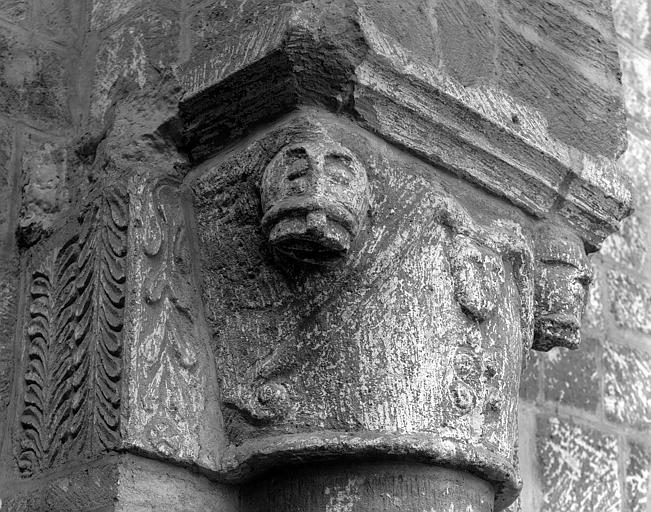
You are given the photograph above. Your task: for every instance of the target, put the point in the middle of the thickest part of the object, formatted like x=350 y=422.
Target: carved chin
x=557 y=330
x=313 y=238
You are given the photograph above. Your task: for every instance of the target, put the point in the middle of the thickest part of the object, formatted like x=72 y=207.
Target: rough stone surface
x=637 y=477
x=376 y=487
x=630 y=301
x=632 y=21
x=43 y=187
x=6 y=183
x=15 y=11
x=579 y=467
x=636 y=68
x=627 y=386
x=593 y=316
x=572 y=378
x=136 y=52
x=56 y=19
x=33 y=82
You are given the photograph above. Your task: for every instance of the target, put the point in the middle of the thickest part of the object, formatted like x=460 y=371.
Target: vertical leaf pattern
x=74 y=343
x=47 y=377
x=99 y=309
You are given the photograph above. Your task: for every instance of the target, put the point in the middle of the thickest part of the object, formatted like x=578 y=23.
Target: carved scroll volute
x=173 y=403
x=562 y=279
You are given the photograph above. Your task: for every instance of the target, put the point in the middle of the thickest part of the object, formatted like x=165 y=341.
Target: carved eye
x=296 y=163
x=338 y=168
x=297 y=169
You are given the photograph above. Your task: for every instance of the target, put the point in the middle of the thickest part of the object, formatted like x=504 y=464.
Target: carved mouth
x=309 y=251
x=309 y=232
x=558 y=330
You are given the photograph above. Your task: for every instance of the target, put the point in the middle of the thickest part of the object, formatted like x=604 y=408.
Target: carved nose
x=316 y=222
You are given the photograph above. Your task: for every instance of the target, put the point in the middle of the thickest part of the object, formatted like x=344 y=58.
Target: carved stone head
x=314 y=198
x=562 y=279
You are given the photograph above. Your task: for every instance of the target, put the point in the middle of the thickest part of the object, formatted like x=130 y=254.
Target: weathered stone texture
x=630 y=301
x=6 y=183
x=564 y=96
x=468 y=35
x=636 y=69
x=44 y=192
x=530 y=380
x=627 y=386
x=593 y=316
x=579 y=467
x=57 y=19
x=637 y=477
x=33 y=81
x=14 y=11
x=87 y=489
x=107 y=12
x=632 y=21
x=629 y=246
x=137 y=52
x=572 y=378
x=8 y=310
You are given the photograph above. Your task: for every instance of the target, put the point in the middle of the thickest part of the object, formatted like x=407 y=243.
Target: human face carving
x=562 y=280
x=314 y=198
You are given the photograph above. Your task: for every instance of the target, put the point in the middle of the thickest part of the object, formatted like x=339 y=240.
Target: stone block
x=34 y=82
x=630 y=301
x=632 y=21
x=627 y=385
x=637 y=477
x=138 y=51
x=44 y=192
x=579 y=468
x=14 y=11
x=636 y=69
x=571 y=376
x=584 y=108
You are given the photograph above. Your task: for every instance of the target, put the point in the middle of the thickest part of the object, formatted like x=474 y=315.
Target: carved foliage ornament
x=173 y=388
x=74 y=343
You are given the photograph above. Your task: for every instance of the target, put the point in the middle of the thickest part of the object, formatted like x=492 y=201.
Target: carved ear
x=478 y=278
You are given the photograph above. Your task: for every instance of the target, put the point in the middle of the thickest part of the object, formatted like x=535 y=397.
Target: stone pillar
x=309 y=261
